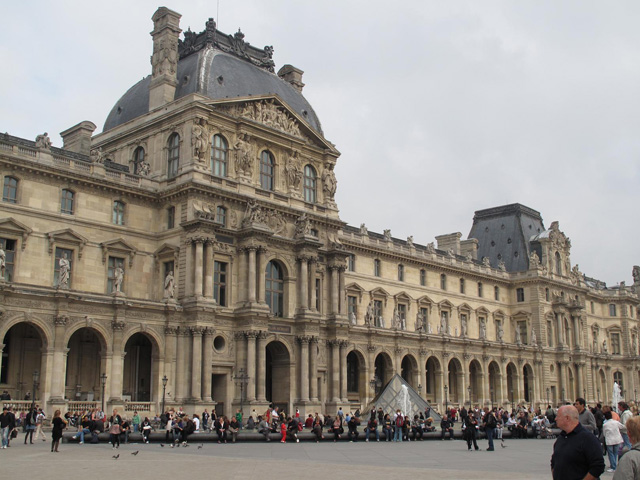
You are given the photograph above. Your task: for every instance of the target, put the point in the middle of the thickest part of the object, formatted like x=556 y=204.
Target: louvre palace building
x=192 y=254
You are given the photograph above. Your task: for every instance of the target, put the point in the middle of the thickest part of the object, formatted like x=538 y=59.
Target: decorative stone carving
x=96 y=155
x=444 y=324
x=486 y=262
x=352 y=318
x=420 y=323
x=502 y=266
x=169 y=285
x=468 y=257
x=368 y=316
x=483 y=329
x=64 y=268
x=117 y=326
x=363 y=230
x=329 y=183
x=500 y=332
x=534 y=260
x=605 y=348
x=636 y=274
x=463 y=326
x=118 y=279
x=294 y=174
x=410 y=241
x=276 y=222
x=253 y=214
x=244 y=155
x=200 y=140
x=272 y=115
x=518 y=339
x=451 y=253
x=43 y=141
x=60 y=320
x=3 y=262
x=303 y=226
x=534 y=338
x=431 y=248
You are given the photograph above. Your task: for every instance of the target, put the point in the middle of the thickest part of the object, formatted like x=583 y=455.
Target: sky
x=438 y=108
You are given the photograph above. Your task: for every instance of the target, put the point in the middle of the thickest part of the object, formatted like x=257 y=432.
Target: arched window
x=118 y=213
x=558 y=264
x=173 y=158
x=443 y=282
x=221 y=215
x=310 y=184
x=274 y=288
x=138 y=160
x=266 y=170
x=219 y=152
x=10 y=190
x=67 y=202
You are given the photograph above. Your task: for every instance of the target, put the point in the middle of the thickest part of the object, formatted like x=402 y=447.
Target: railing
x=17 y=405
x=27 y=151
x=138 y=406
x=79 y=406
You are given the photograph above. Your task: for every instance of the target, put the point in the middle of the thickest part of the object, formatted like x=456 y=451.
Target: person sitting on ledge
x=447 y=426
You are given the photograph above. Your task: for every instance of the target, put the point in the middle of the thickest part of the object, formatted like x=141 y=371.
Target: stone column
x=179 y=391
x=189 y=266
x=422 y=372
x=562 y=370
x=466 y=380
x=342 y=300
x=312 y=284
x=579 y=382
x=251 y=285
x=343 y=370
x=251 y=365
x=58 y=381
x=304 y=368
x=485 y=381
x=207 y=357
x=440 y=393
x=197 y=281
x=117 y=360
x=521 y=395
x=313 y=369
x=335 y=369
x=262 y=366
x=196 y=363
x=560 y=328
x=208 y=273
x=170 y=358
x=303 y=288
x=243 y=280
x=503 y=383
x=334 y=290
x=262 y=268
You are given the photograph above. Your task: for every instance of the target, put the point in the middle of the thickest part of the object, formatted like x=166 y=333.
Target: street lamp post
x=446 y=399
x=164 y=390
x=241 y=379
x=103 y=380
x=36 y=382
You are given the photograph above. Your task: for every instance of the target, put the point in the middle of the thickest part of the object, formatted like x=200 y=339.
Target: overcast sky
x=438 y=108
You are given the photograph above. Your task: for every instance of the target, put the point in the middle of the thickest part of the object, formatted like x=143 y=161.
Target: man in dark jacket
x=490 y=424
x=7 y=423
x=447 y=426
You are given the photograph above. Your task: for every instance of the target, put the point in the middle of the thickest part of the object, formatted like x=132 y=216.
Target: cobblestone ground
x=521 y=459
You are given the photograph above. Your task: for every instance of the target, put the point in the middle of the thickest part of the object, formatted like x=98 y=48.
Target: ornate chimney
x=293 y=75
x=164 y=61
x=78 y=138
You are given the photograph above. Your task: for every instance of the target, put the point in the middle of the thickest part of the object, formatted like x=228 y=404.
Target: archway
x=383 y=370
x=527 y=373
x=475 y=382
x=278 y=375
x=455 y=379
x=137 y=381
x=433 y=371
x=602 y=389
x=85 y=363
x=409 y=370
x=512 y=383
x=21 y=357
x=357 y=383
x=495 y=383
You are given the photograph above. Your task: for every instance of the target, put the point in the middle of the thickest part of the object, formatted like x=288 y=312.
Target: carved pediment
x=118 y=246
x=13 y=228
x=425 y=300
x=464 y=308
x=402 y=297
x=68 y=237
x=166 y=250
x=445 y=305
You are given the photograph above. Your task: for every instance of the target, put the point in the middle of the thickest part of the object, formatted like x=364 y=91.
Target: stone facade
x=207 y=266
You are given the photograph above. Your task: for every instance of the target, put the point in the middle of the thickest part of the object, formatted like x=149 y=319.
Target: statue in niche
x=429 y=328
x=534 y=260
x=387 y=235
x=244 y=159
x=634 y=344
x=43 y=141
x=64 y=268
x=463 y=326
x=381 y=321
x=352 y=318
x=595 y=341
x=293 y=171
x=456 y=331
x=534 y=338
x=199 y=140
x=363 y=230
x=3 y=261
x=368 y=316
x=396 y=318
x=410 y=241
x=444 y=323
x=96 y=155
x=431 y=248
x=483 y=329
x=117 y=279
x=605 y=348
x=636 y=274
x=518 y=339
x=329 y=182
x=303 y=226
x=169 y=285
x=419 y=327
x=500 y=332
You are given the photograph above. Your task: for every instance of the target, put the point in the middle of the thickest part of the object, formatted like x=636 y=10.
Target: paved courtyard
x=522 y=459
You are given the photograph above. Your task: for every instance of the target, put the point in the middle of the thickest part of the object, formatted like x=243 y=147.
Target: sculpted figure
x=534 y=260
x=64 y=270
x=396 y=318
x=429 y=328
x=43 y=141
x=387 y=235
x=3 y=261
x=253 y=213
x=144 y=168
x=352 y=318
x=368 y=317
x=244 y=160
x=363 y=229
x=444 y=327
x=486 y=262
x=410 y=241
x=294 y=173
x=329 y=182
x=501 y=266
x=483 y=328
x=118 y=278
x=463 y=326
x=634 y=344
x=605 y=348
x=199 y=140
x=169 y=285
x=636 y=274
x=518 y=338
x=303 y=226
x=431 y=248
x=500 y=333
x=419 y=327
x=96 y=155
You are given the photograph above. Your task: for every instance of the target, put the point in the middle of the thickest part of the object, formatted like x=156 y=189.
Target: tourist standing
x=115 y=428
x=58 y=424
x=30 y=425
x=490 y=423
x=629 y=464
x=612 y=429
x=39 y=421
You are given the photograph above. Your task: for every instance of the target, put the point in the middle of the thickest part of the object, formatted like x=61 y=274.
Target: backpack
x=491 y=421
x=399 y=421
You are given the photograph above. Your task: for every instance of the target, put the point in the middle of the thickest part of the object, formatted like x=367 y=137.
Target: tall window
x=351 y=263
x=115 y=263
x=10 y=190
x=547 y=294
x=275 y=289
x=423 y=277
x=266 y=170
x=443 y=282
x=480 y=289
x=615 y=343
x=496 y=293
x=376 y=268
x=65 y=254
x=219 y=152
x=558 y=264
x=118 y=213
x=171 y=217
x=173 y=158
x=522 y=328
x=520 y=294
x=401 y=273
x=220 y=283
x=593 y=307
x=66 y=202
x=221 y=215
x=352 y=373
x=9 y=247
x=612 y=310
x=617 y=377
x=424 y=316
x=549 y=333
x=318 y=292
x=402 y=313
x=462 y=285
x=309 y=184
x=377 y=312
x=352 y=306
x=138 y=160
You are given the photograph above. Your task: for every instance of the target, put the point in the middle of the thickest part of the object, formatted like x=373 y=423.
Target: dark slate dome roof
x=216 y=75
